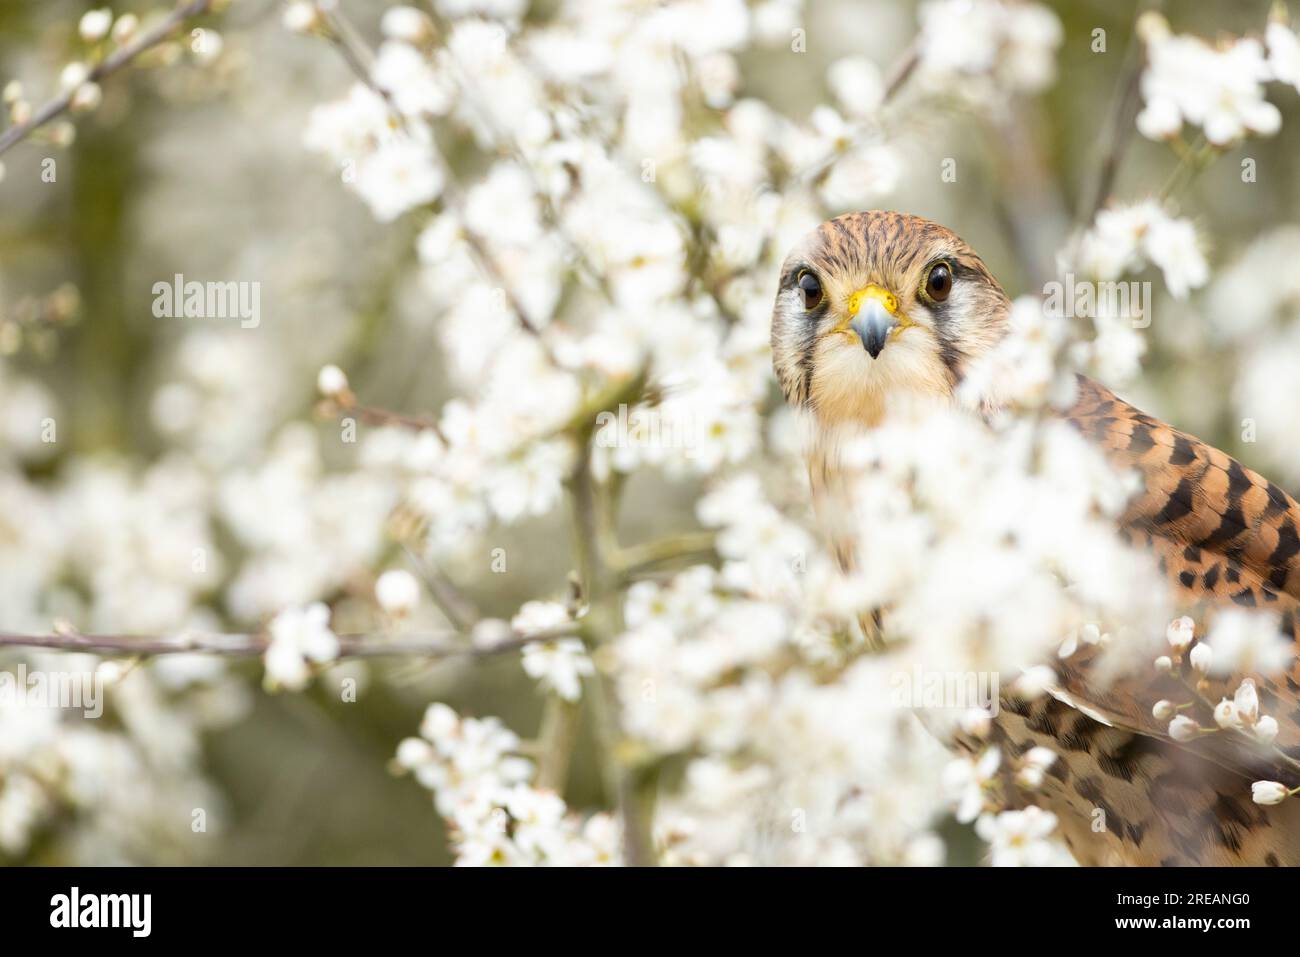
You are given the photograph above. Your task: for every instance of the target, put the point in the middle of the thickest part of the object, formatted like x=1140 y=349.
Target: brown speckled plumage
x=1223 y=535
x=1240 y=533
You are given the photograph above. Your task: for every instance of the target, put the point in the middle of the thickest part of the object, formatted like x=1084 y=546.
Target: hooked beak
x=875 y=316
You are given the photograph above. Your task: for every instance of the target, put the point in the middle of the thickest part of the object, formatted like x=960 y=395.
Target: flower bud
x=1268 y=792
x=94 y=24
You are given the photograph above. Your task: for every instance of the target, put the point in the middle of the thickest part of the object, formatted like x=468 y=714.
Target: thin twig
x=1123 y=116
x=347 y=40
x=248 y=645
x=110 y=64
x=460 y=611
x=372 y=415
x=483 y=256
x=1192 y=161
x=561 y=722
x=550 y=213
x=903 y=68
x=690 y=547
x=1031 y=208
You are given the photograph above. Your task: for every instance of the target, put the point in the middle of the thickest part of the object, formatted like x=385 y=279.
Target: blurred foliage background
x=200 y=170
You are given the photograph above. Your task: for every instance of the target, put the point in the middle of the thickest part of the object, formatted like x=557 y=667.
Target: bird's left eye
x=939 y=282
x=811 y=288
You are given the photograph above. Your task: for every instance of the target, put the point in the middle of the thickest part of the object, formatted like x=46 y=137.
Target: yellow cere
x=886 y=299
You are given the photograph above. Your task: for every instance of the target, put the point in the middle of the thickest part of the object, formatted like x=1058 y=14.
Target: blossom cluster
x=482 y=786
x=1220 y=89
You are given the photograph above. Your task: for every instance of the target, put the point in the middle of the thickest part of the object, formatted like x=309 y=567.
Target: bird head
x=878 y=304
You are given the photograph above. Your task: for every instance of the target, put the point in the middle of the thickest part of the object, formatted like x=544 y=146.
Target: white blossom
x=1013 y=43
x=94 y=24
x=1183 y=728
x=1180 y=633
x=406 y=24
x=1269 y=792
x=400 y=174
x=1246 y=702
x=300 y=637
x=1019 y=838
x=1266 y=728
x=965 y=780
x=73 y=75
x=1124 y=238
x=857 y=85
x=397 y=592
x=1248 y=642
x=1283 y=53
x=410 y=80
x=1225 y=714
x=560 y=665
x=300 y=16
x=331 y=381
x=124 y=28
x=1219 y=89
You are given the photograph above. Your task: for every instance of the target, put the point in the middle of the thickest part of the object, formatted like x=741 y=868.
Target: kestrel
x=878 y=305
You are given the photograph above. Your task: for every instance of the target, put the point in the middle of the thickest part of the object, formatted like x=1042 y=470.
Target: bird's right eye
x=811 y=289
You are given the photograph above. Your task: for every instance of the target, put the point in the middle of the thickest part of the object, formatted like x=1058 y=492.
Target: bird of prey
x=878 y=304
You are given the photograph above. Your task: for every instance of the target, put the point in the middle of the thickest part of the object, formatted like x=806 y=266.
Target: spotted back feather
x=1223 y=535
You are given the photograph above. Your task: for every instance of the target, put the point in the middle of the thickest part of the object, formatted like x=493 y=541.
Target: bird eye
x=939 y=282
x=811 y=287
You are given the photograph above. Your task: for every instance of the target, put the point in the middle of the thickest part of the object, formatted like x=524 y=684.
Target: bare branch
x=350 y=45
x=372 y=415
x=556 y=742
x=1029 y=203
x=485 y=260
x=348 y=41
x=902 y=68
x=460 y=611
x=448 y=644
x=109 y=65
x=690 y=547
x=1119 y=132
x=624 y=779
